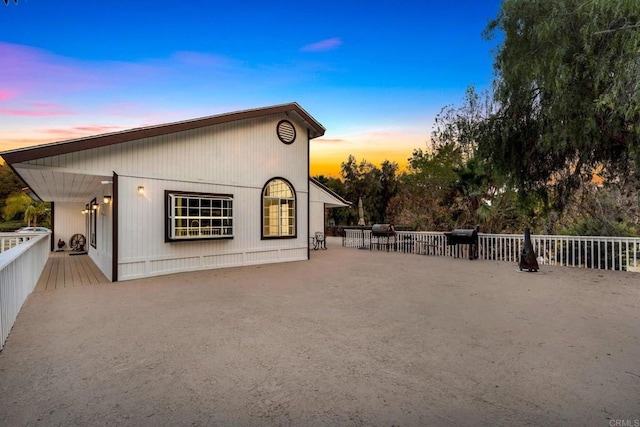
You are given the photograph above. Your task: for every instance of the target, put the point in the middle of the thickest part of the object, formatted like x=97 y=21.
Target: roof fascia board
x=329 y=191
x=65 y=147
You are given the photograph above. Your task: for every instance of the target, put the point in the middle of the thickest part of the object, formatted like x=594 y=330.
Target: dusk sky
x=374 y=74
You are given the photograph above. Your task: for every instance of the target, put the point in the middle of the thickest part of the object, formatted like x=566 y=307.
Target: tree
x=9 y=183
x=37 y=211
x=16 y=204
x=567 y=93
x=376 y=188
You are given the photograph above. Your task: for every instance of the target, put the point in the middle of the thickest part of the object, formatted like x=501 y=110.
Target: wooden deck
x=68 y=271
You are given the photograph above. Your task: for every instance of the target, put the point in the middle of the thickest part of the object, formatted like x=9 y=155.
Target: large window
x=193 y=216
x=278 y=209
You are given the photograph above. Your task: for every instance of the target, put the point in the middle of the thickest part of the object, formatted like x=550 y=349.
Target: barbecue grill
x=382 y=236
x=467 y=237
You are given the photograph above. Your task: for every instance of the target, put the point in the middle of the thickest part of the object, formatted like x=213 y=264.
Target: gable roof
x=74 y=145
x=338 y=201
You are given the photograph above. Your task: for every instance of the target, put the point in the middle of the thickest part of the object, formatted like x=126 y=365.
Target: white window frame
x=198 y=216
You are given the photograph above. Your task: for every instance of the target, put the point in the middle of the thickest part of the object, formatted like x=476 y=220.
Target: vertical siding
x=233 y=158
x=68 y=220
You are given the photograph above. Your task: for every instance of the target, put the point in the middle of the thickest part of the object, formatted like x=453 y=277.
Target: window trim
x=168 y=219
x=295 y=213
x=93 y=224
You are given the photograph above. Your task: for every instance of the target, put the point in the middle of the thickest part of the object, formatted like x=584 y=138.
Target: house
x=219 y=191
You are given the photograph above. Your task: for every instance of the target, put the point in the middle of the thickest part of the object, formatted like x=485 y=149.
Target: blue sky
x=374 y=73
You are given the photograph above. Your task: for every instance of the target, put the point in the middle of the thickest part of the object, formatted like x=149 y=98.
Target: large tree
x=567 y=92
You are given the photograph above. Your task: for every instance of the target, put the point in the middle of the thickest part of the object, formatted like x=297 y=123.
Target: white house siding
x=144 y=252
x=316 y=217
x=238 y=153
x=232 y=158
x=67 y=221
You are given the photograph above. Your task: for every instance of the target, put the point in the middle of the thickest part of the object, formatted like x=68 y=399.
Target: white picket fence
x=20 y=268
x=596 y=252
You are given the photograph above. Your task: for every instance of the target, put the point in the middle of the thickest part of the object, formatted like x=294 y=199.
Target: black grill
x=468 y=237
x=383 y=236
x=385 y=230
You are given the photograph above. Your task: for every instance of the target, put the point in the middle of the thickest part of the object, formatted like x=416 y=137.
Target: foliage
x=606 y=210
x=376 y=187
x=568 y=94
x=9 y=183
x=16 y=205
x=21 y=206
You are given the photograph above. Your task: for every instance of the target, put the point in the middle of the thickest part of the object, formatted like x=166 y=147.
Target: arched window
x=278 y=209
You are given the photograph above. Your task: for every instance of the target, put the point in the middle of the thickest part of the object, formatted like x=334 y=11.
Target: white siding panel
x=223 y=260
x=316 y=217
x=232 y=158
x=68 y=220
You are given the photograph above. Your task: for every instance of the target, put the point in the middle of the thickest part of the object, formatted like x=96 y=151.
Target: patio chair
x=319 y=241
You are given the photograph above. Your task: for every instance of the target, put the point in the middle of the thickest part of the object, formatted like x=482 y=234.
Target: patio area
x=351 y=337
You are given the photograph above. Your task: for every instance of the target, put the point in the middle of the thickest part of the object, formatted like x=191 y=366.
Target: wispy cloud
x=77 y=131
x=37 y=109
x=329 y=140
x=202 y=59
x=323 y=45
x=6 y=94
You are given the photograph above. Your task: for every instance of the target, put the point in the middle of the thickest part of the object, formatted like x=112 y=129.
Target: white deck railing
x=20 y=269
x=597 y=252
x=11 y=240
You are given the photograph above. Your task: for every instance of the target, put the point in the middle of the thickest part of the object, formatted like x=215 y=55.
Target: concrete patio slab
x=350 y=337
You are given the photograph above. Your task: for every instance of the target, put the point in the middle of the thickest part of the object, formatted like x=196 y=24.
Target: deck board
x=65 y=271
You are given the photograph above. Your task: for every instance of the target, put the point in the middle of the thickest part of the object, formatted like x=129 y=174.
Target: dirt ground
x=350 y=337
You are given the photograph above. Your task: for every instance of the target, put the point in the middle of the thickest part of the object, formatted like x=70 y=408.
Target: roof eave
x=71 y=146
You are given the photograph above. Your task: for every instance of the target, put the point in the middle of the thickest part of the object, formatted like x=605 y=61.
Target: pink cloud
x=7 y=94
x=76 y=131
x=39 y=109
x=323 y=45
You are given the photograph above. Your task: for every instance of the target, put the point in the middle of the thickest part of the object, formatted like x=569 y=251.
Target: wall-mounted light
x=106 y=199
x=85 y=211
x=140 y=189
x=95 y=206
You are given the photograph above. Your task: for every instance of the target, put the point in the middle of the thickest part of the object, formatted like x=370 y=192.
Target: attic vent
x=286 y=131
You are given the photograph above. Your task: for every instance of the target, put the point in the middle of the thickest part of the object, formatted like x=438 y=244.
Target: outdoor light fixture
x=95 y=206
x=140 y=189
x=106 y=199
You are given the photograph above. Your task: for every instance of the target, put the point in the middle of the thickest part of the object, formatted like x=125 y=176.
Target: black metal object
x=528 y=257
x=385 y=230
x=382 y=236
x=468 y=237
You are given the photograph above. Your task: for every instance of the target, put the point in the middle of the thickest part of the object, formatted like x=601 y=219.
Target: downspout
x=53 y=227
x=114 y=229
x=308 y=193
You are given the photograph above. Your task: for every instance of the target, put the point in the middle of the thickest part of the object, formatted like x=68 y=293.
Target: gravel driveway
x=350 y=337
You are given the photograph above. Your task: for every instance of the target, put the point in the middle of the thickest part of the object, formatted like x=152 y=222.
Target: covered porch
x=64 y=270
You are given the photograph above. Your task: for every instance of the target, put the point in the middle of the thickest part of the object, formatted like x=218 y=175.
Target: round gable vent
x=286 y=131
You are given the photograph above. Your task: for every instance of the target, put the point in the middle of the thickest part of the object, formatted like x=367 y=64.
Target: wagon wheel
x=77 y=242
